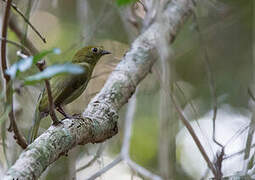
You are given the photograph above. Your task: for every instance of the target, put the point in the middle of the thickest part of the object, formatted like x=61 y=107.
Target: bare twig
x=141 y=170
x=15 y=28
x=97 y=155
x=51 y=104
x=192 y=133
x=193 y=107
x=8 y=84
x=251 y=94
x=25 y=49
x=130 y=113
x=3 y=43
x=14 y=6
x=93 y=28
x=250 y=134
x=249 y=141
x=53 y=116
x=218 y=163
x=237 y=133
x=237 y=153
x=143 y=5
x=194 y=136
x=210 y=79
x=40 y=65
x=106 y=168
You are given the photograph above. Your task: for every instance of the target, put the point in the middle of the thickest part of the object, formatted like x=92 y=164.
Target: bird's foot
x=56 y=122
x=59 y=109
x=77 y=116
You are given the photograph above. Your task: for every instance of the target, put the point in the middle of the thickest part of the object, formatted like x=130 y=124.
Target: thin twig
x=192 y=133
x=250 y=134
x=218 y=163
x=194 y=136
x=251 y=94
x=93 y=28
x=25 y=49
x=40 y=65
x=15 y=28
x=249 y=141
x=210 y=79
x=97 y=155
x=8 y=84
x=143 y=5
x=3 y=43
x=106 y=168
x=237 y=133
x=126 y=141
x=53 y=116
x=27 y=15
x=141 y=170
x=27 y=21
x=237 y=153
x=193 y=107
x=130 y=113
x=33 y=49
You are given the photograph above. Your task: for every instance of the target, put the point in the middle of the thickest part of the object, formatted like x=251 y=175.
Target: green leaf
x=25 y=63
x=41 y=55
x=54 y=70
x=124 y=2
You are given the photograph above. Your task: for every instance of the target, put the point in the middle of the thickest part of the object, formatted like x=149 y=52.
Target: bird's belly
x=75 y=94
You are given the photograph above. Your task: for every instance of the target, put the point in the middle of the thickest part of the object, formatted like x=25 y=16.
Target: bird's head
x=89 y=54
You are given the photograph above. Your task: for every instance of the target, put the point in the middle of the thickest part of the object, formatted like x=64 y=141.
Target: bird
x=65 y=89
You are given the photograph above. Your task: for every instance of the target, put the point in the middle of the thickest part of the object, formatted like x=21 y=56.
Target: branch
x=210 y=79
x=40 y=65
x=100 y=117
x=14 y=6
x=194 y=136
x=8 y=84
x=25 y=49
x=14 y=27
x=124 y=154
x=97 y=155
x=53 y=116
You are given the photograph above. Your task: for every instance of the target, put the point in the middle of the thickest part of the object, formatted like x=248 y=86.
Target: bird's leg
x=77 y=116
x=60 y=109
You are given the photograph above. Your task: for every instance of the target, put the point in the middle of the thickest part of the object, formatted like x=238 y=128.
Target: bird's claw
x=56 y=123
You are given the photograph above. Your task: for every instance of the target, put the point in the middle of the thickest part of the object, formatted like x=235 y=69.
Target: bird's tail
x=35 y=126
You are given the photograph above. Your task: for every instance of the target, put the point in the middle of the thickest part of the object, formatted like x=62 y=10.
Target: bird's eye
x=94 y=50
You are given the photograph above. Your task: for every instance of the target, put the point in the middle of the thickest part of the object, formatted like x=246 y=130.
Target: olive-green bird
x=65 y=89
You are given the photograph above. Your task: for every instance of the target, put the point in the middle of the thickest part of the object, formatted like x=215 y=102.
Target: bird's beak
x=104 y=52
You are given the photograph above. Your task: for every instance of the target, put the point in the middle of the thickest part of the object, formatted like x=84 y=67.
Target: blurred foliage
x=54 y=70
x=125 y=2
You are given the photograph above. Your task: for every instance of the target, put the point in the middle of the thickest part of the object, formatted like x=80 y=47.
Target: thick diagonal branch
x=100 y=117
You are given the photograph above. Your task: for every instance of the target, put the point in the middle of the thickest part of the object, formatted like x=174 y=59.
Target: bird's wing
x=63 y=88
